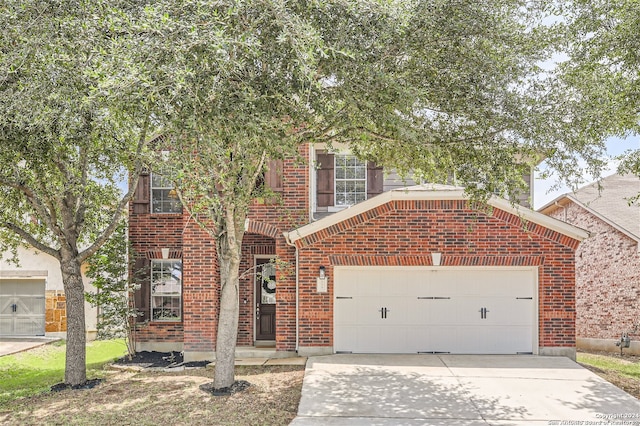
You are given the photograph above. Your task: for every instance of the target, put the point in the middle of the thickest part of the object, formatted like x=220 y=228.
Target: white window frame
x=165 y=187
x=172 y=295
x=347 y=180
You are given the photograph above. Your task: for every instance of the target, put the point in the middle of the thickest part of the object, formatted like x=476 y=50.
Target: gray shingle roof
x=611 y=202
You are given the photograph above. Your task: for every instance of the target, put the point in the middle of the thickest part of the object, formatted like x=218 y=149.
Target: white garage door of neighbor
x=435 y=310
x=22 y=307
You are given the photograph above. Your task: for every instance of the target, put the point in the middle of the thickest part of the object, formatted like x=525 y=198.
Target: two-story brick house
x=363 y=266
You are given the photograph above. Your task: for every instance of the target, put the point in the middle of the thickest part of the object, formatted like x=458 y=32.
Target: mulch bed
x=167 y=360
x=154 y=359
x=89 y=384
x=237 y=386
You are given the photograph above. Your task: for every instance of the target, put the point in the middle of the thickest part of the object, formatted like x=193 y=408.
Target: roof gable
x=374 y=206
x=609 y=203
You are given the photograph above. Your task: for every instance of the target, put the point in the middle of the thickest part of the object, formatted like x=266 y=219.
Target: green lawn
x=610 y=363
x=35 y=371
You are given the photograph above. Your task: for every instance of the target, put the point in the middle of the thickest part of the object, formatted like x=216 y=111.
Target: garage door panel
x=367 y=310
x=370 y=339
x=435 y=310
x=396 y=339
x=344 y=337
x=29 y=326
x=22 y=307
x=367 y=340
x=394 y=311
x=510 y=311
x=501 y=339
x=441 y=339
x=345 y=313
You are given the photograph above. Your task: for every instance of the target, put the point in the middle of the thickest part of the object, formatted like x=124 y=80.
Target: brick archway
x=261 y=228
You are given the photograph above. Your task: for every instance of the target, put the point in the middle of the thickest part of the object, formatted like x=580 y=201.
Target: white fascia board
x=22 y=274
x=421 y=193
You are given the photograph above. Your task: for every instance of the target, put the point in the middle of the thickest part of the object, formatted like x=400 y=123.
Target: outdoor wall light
x=436 y=258
x=321 y=281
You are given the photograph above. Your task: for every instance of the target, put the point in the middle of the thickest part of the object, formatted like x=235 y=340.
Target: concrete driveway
x=458 y=390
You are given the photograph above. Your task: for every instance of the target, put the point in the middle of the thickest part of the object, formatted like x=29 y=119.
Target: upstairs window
x=164 y=198
x=343 y=180
x=350 y=180
x=166 y=290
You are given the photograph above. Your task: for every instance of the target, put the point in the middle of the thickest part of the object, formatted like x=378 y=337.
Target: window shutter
x=142 y=296
x=273 y=175
x=375 y=179
x=324 y=181
x=141 y=196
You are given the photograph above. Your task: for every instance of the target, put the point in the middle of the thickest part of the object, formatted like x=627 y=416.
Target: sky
x=541 y=187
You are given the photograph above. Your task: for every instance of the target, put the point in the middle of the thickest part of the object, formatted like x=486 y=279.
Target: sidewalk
x=12 y=345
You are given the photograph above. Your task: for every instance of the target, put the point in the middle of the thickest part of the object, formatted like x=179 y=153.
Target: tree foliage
x=108 y=270
x=600 y=79
x=73 y=121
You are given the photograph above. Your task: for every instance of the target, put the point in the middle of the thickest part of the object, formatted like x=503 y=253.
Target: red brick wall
x=607 y=277
x=269 y=218
x=167 y=331
x=402 y=232
x=286 y=297
x=200 y=290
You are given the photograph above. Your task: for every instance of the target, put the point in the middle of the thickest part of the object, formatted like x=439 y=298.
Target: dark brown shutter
x=142 y=296
x=141 y=196
x=324 y=181
x=273 y=175
x=375 y=179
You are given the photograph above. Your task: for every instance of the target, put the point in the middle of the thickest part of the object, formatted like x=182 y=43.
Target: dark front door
x=265 y=299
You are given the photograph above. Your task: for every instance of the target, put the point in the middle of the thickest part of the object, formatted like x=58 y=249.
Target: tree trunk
x=75 y=365
x=229 y=252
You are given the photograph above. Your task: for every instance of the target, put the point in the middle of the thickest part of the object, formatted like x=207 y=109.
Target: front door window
x=266 y=290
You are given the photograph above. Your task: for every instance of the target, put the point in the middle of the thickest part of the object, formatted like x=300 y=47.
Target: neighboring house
x=608 y=263
x=32 y=299
x=391 y=270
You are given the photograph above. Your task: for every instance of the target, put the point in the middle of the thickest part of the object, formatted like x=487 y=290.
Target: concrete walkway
x=12 y=345
x=458 y=390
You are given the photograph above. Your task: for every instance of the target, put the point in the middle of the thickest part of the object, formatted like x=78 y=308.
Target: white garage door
x=435 y=310
x=22 y=307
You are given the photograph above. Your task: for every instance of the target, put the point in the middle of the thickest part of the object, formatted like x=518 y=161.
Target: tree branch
x=29 y=239
x=251 y=184
x=80 y=207
x=121 y=208
x=33 y=201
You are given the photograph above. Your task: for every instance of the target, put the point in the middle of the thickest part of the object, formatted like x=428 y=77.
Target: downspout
x=312 y=183
x=289 y=243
